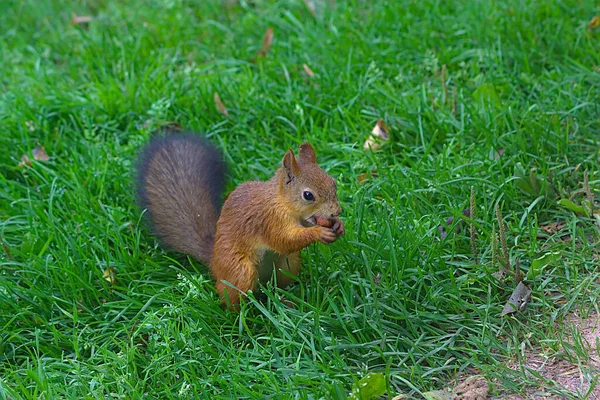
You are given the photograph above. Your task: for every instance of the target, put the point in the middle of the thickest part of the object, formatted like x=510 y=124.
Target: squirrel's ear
x=307 y=153
x=291 y=166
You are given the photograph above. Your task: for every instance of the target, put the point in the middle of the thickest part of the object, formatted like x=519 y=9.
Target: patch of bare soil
x=570 y=372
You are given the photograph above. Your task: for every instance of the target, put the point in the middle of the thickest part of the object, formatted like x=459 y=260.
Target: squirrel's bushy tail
x=180 y=181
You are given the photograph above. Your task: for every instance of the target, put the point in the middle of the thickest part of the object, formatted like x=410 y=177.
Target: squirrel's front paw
x=338 y=226
x=326 y=235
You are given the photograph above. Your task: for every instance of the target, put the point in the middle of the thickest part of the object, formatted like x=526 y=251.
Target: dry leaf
x=312 y=8
x=220 y=106
x=518 y=300
x=594 y=22
x=109 y=275
x=267 y=41
x=362 y=178
x=496 y=154
x=378 y=135
x=308 y=71
x=553 y=228
x=81 y=19
x=25 y=161
x=39 y=153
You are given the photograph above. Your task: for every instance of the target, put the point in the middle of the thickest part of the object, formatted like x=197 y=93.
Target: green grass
x=389 y=297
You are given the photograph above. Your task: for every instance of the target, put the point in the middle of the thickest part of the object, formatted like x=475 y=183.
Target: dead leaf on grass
x=267 y=41
x=363 y=178
x=308 y=71
x=220 y=106
x=496 y=154
x=518 y=300
x=25 y=160
x=552 y=228
x=378 y=136
x=82 y=20
x=109 y=275
x=39 y=153
x=594 y=22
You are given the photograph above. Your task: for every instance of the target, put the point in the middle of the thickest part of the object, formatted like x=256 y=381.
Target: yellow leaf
x=267 y=41
x=109 y=275
x=308 y=71
x=378 y=135
x=220 y=106
x=594 y=22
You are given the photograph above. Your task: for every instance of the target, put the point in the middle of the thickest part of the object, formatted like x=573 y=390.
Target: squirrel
x=261 y=226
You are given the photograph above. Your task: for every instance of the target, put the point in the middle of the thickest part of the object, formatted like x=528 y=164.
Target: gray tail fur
x=180 y=182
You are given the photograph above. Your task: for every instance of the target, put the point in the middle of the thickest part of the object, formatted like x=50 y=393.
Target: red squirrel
x=261 y=226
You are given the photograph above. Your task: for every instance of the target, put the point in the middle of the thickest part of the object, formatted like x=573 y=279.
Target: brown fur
x=256 y=218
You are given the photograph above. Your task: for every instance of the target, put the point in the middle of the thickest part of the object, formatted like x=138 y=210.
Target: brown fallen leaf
x=362 y=178
x=109 y=275
x=81 y=19
x=378 y=135
x=39 y=153
x=220 y=106
x=25 y=161
x=518 y=300
x=594 y=22
x=552 y=228
x=267 y=41
x=308 y=71
x=496 y=154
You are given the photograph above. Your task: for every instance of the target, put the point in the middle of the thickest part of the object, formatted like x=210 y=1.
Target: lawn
x=498 y=97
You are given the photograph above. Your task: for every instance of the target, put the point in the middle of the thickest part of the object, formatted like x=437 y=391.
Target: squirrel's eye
x=308 y=196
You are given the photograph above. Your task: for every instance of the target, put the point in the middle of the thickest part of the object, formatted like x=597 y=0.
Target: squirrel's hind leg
x=291 y=264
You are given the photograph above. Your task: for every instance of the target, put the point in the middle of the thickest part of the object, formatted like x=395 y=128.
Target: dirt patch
x=568 y=371
x=473 y=388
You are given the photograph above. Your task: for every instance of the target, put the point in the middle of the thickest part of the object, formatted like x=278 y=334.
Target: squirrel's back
x=180 y=181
